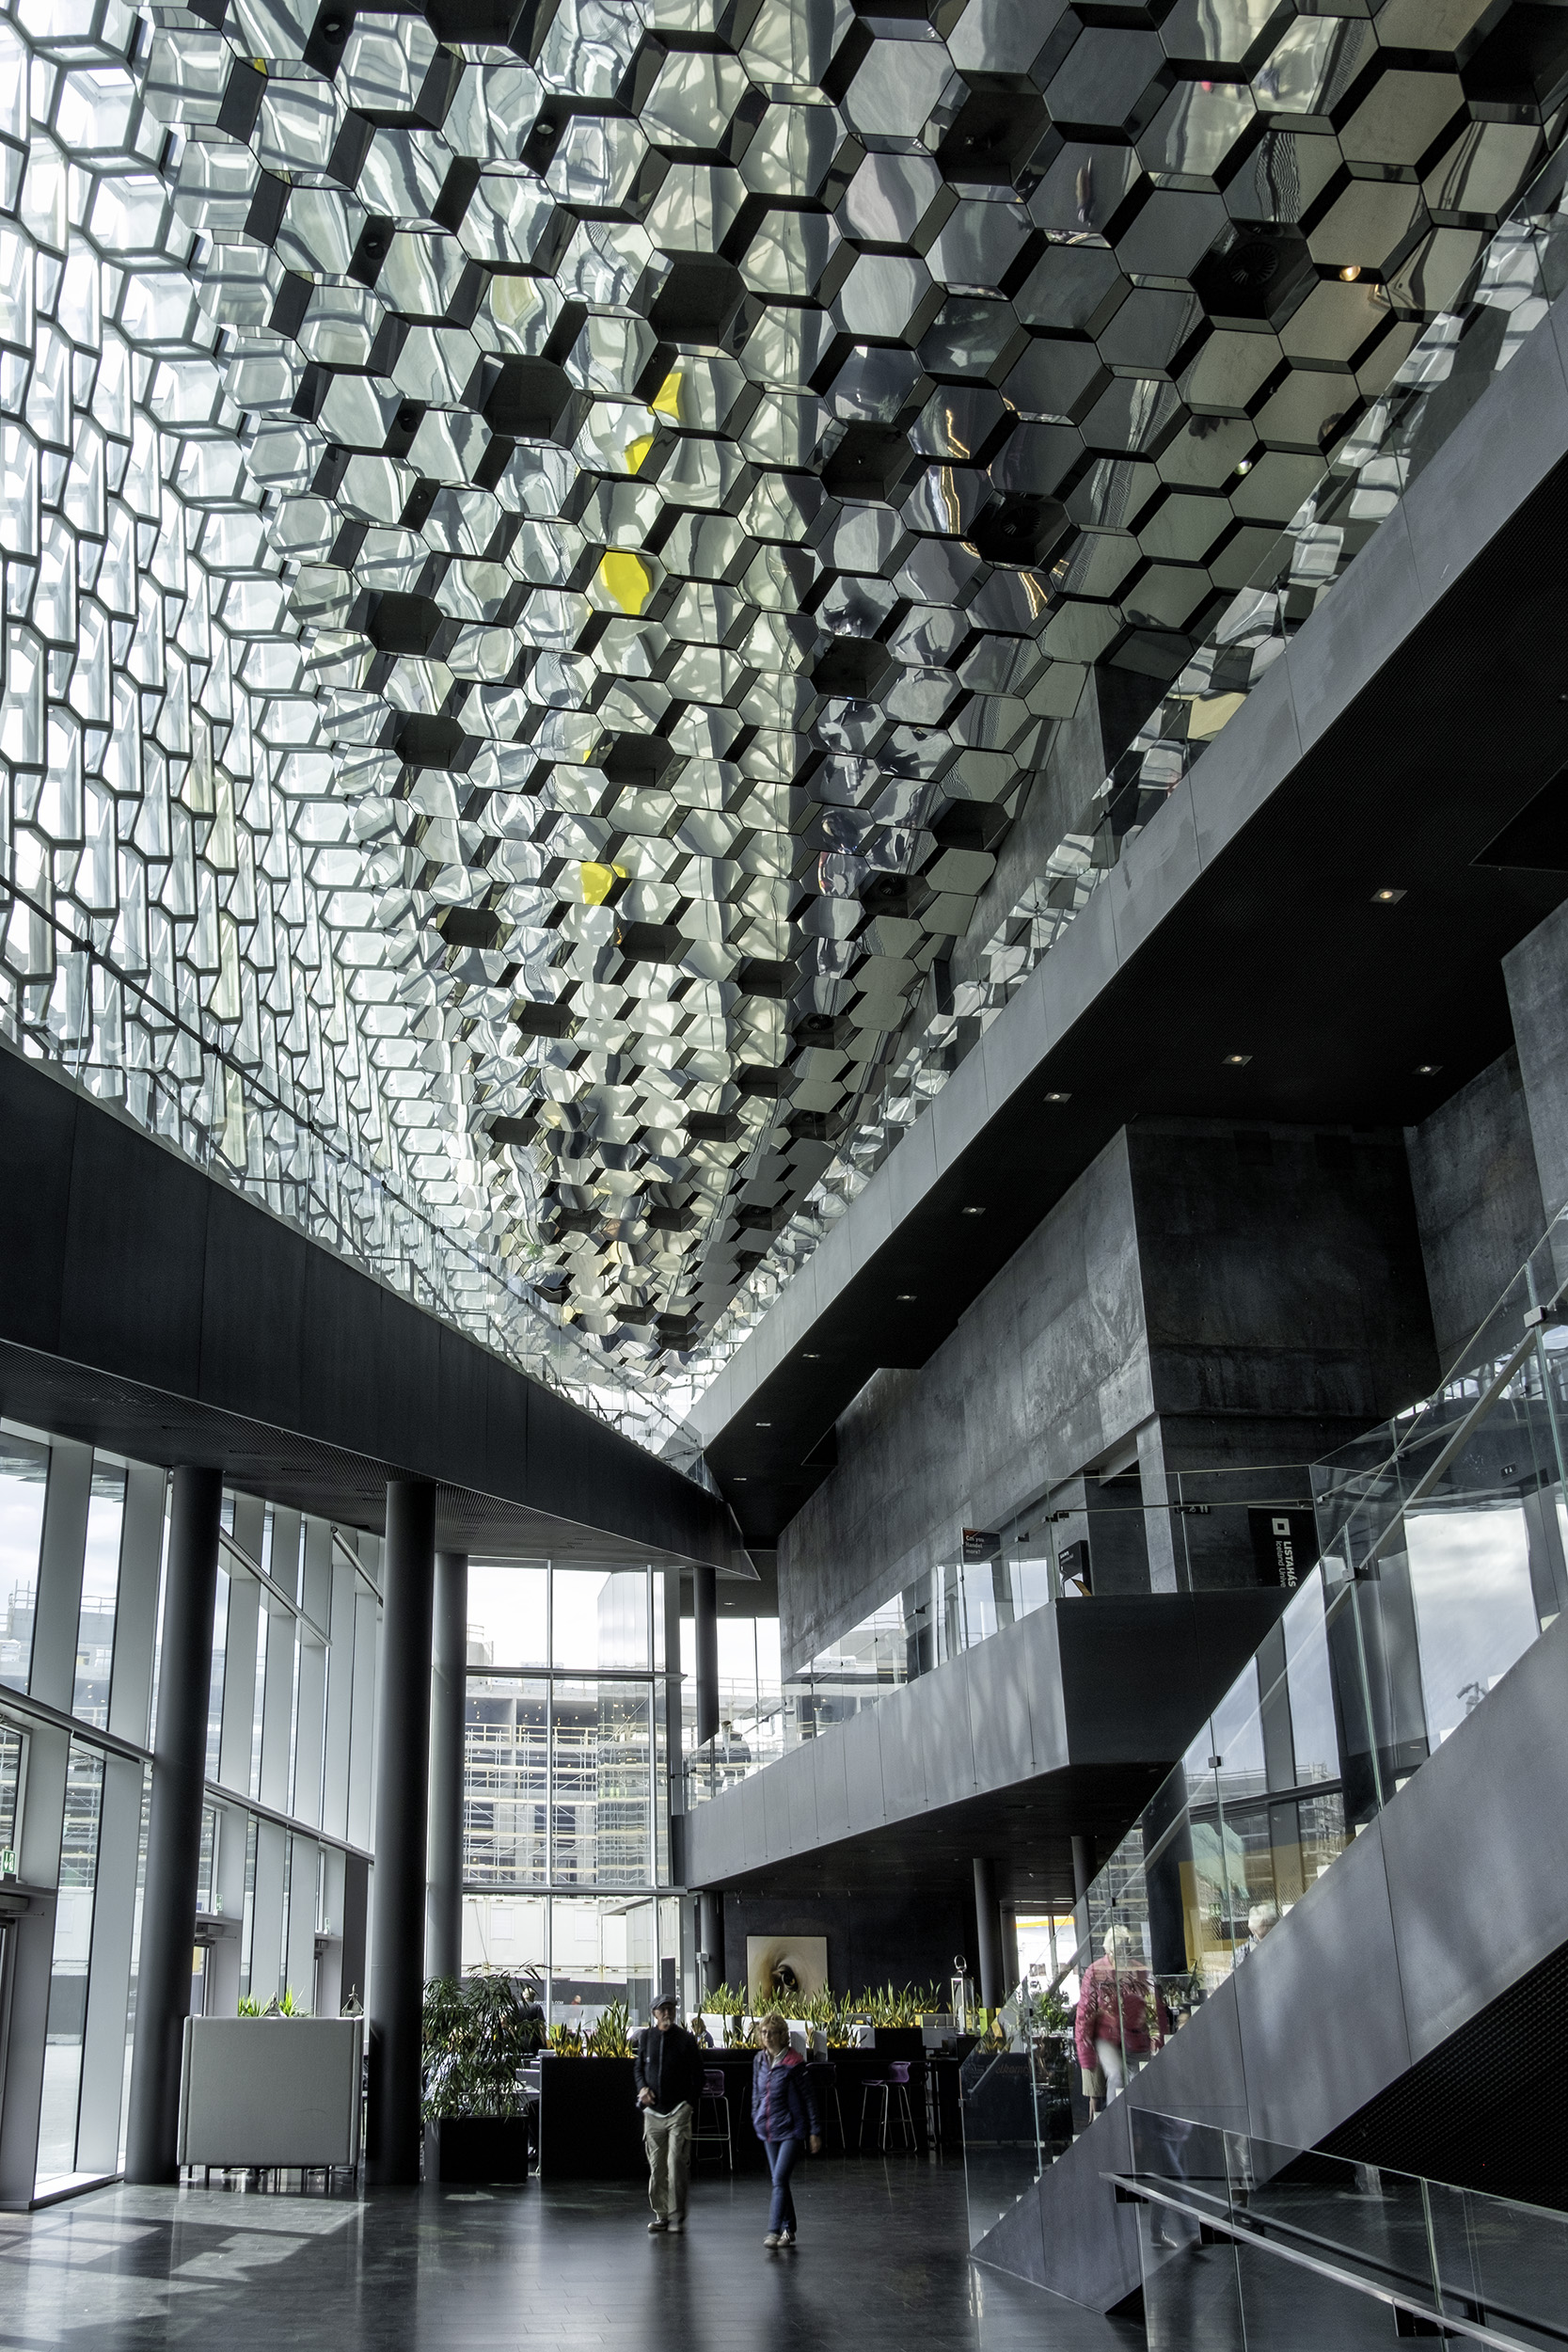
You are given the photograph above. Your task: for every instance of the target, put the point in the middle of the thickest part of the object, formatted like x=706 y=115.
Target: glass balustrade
x=1248 y=2242
x=1041 y=1556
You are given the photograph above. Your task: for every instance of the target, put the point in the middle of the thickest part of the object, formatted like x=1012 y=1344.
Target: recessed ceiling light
x=1237 y=1061
x=1246 y=466
x=808 y=1357
x=1351 y=272
x=740 y=1479
x=972 y=1211
x=1058 y=1098
x=905 y=1298
x=1386 y=897
x=1428 y=1069
x=763 y=1425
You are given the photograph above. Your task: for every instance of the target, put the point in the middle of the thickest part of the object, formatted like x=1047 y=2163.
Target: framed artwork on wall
x=783 y=1971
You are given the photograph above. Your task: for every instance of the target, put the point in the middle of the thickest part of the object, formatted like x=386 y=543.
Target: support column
x=174 y=1828
x=1083 y=1877
x=989 y=1923
x=443 y=1930
x=704 y=1585
x=710 y=1956
x=402 y=1792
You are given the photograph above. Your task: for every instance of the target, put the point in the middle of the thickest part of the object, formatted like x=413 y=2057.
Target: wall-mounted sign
x=1072 y=1563
x=1284 y=1545
x=980 y=1542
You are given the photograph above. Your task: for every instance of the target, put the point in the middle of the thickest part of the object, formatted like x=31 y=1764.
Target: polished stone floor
x=882 y=2266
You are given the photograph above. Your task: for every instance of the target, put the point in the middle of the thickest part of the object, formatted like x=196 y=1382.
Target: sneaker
x=655 y=2225
x=786 y=2237
x=772 y=2240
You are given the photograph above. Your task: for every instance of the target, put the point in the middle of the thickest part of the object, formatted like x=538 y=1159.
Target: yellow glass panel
x=627 y=579
x=598 y=881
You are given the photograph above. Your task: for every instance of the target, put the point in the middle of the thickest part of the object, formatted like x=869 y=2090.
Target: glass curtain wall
x=567 y=1784
x=287 y=1825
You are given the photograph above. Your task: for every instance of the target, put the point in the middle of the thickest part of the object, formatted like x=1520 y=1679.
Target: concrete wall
x=1217 y=1296
x=1478 y=1196
x=1536 y=974
x=872 y=1939
x=1045 y=1371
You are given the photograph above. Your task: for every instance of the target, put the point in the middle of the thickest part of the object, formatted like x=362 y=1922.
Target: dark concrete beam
x=147 y=1307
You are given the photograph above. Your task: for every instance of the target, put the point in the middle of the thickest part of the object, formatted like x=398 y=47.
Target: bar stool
x=714 y=2093
x=894 y=2083
x=825 y=2079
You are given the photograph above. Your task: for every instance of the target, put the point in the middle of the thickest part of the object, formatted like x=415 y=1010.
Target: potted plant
x=475 y=2043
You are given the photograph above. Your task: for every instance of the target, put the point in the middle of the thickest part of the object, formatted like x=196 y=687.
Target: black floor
x=882 y=2266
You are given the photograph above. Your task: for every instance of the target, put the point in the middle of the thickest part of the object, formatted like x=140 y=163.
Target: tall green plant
x=475 y=2041
x=611 y=2036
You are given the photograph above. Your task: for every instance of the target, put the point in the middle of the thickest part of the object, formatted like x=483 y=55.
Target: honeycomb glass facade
x=547 y=549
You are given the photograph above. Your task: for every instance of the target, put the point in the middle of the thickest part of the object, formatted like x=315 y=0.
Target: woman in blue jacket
x=784 y=2114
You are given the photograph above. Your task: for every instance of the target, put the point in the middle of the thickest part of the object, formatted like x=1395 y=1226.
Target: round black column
x=705 y=1595
x=710 y=1912
x=401 y=1788
x=988 y=1919
x=174 y=1828
x=443 y=1930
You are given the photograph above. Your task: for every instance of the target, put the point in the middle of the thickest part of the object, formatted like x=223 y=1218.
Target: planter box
x=270 y=2091
x=590 y=2127
x=898 y=2042
x=476 y=2147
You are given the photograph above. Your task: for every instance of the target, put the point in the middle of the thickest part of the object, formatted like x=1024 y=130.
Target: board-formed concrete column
x=443 y=1933
x=174 y=1828
x=402 y=1792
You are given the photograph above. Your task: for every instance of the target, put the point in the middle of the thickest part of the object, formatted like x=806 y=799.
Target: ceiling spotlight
x=740 y=1479
x=972 y=1211
x=1058 y=1098
x=1428 y=1069
x=905 y=1298
x=1246 y=466
x=1386 y=897
x=1237 y=1061
x=761 y=1424
x=808 y=1357
x=1351 y=272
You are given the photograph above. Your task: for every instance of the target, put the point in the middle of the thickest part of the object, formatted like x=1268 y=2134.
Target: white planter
x=267 y=2091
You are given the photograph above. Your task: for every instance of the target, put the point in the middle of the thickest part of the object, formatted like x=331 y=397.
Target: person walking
x=669 y=2078
x=783 y=2115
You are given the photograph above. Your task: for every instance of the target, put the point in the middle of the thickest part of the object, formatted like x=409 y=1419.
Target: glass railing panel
x=1282 y=2247
x=1501 y=2265
x=1000 y=2105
